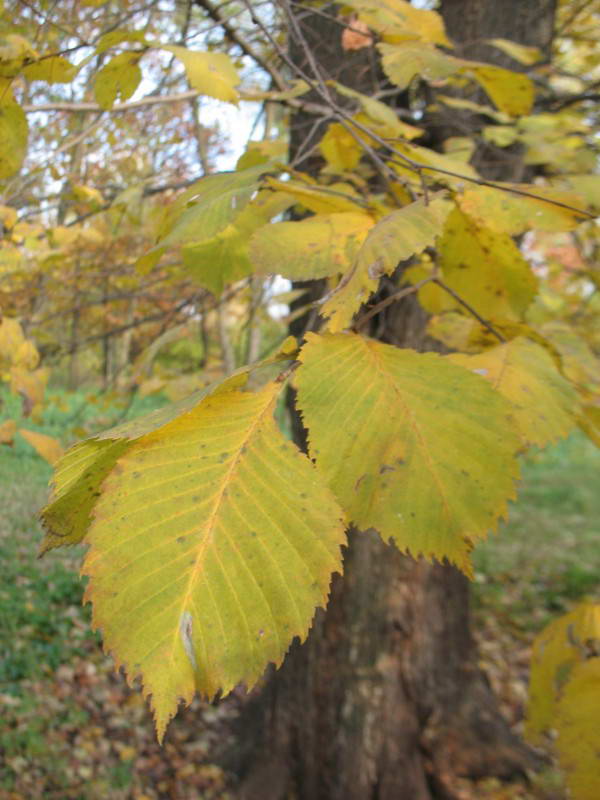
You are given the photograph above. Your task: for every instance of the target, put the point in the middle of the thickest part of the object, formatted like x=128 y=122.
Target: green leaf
x=14 y=132
x=211 y=545
x=119 y=78
x=312 y=248
x=225 y=259
x=211 y=205
x=412 y=445
x=398 y=236
x=211 y=74
x=545 y=405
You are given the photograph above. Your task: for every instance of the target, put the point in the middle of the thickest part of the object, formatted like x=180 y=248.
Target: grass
x=41 y=625
x=547 y=555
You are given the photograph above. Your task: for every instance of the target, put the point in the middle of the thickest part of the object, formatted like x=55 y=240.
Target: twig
x=387 y=301
x=151 y=100
x=233 y=34
x=469 y=308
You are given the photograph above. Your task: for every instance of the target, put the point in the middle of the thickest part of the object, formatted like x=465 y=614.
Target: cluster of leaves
x=211 y=537
x=19 y=360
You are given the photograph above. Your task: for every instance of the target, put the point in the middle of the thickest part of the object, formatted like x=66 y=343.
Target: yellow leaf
x=397 y=20
x=211 y=74
x=80 y=473
x=318 y=199
x=512 y=92
x=52 y=69
x=387 y=122
x=520 y=52
x=556 y=651
x=452 y=329
x=117 y=79
x=587 y=187
x=395 y=238
x=460 y=148
x=416 y=447
x=298 y=88
x=589 y=422
x=261 y=152
x=113 y=38
x=75 y=490
x=30 y=385
x=437 y=166
x=403 y=62
x=26 y=355
x=468 y=105
x=46 y=446
x=8 y=428
x=545 y=405
x=500 y=135
x=11 y=339
x=340 y=149
x=15 y=50
x=13 y=135
x=484 y=267
x=211 y=545
x=578 y=731
x=8 y=217
x=510 y=213
x=312 y=248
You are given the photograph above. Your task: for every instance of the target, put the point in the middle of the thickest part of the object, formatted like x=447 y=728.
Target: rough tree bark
x=385 y=699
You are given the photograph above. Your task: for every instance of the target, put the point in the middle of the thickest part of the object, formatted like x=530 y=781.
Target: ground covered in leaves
x=70 y=727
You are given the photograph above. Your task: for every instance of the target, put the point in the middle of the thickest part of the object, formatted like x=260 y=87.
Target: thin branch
x=387 y=301
x=233 y=35
x=469 y=308
x=151 y=100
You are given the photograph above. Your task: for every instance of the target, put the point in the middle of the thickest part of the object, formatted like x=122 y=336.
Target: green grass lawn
x=40 y=622
x=547 y=555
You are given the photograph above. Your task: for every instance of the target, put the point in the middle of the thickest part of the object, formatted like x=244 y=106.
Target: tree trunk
x=385 y=699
